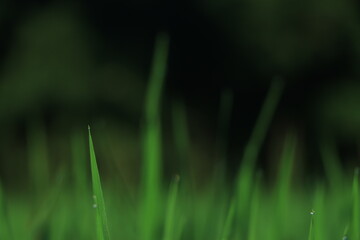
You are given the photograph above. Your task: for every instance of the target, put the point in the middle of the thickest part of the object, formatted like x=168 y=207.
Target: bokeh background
x=67 y=64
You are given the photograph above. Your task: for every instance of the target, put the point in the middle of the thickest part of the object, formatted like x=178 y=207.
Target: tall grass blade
x=99 y=204
x=152 y=151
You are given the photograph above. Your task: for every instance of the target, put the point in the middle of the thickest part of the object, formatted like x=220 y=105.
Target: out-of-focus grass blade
x=37 y=154
x=356 y=207
x=5 y=230
x=251 y=151
x=99 y=204
x=169 y=232
x=152 y=151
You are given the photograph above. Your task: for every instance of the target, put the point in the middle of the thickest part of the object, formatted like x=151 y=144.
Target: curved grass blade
x=102 y=227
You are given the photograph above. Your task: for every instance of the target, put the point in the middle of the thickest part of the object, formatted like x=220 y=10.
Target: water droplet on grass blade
x=95 y=201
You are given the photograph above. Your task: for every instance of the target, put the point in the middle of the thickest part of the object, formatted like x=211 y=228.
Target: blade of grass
x=152 y=142
x=170 y=210
x=252 y=149
x=356 y=206
x=99 y=204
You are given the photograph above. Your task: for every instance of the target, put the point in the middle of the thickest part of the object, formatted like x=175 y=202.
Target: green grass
x=255 y=206
x=102 y=228
x=152 y=150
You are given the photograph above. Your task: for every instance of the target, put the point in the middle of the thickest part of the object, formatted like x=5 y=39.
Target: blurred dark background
x=65 y=64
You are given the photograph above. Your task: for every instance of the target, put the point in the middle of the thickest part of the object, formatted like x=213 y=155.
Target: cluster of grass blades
x=252 y=208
